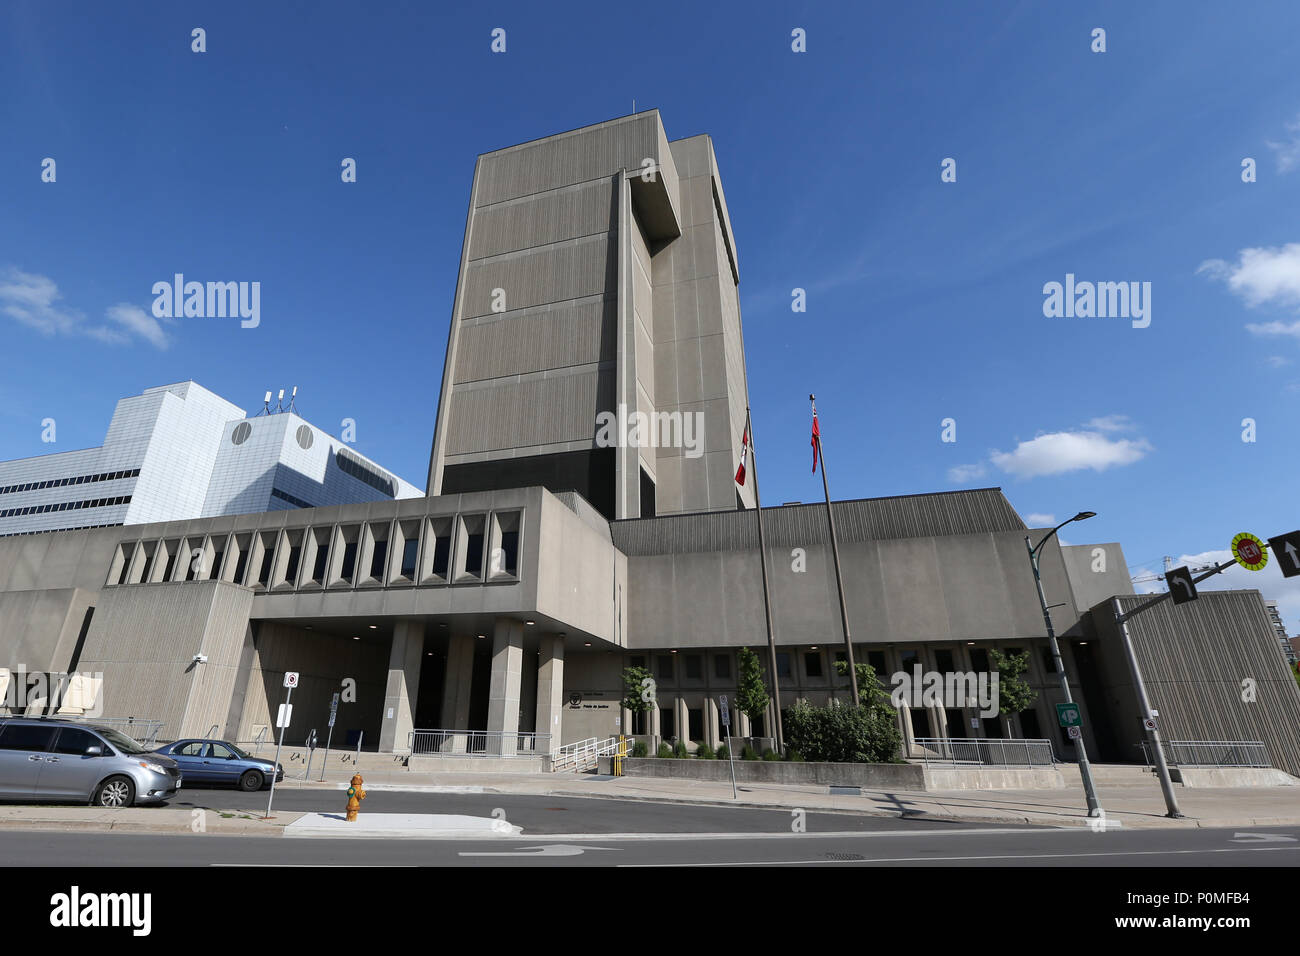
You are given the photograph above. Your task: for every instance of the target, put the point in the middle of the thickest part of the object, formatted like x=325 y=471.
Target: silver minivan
x=48 y=760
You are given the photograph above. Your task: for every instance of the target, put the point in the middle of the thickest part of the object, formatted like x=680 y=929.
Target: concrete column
x=682 y=718
x=712 y=725
x=654 y=725
x=404 y=660
x=507 y=666
x=456 y=684
x=550 y=689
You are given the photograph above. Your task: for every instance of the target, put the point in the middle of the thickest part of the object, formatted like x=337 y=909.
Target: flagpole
x=835 y=551
x=767 y=602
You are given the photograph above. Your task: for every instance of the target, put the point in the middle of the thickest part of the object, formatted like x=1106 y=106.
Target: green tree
x=751 y=690
x=871 y=693
x=638 y=690
x=1014 y=693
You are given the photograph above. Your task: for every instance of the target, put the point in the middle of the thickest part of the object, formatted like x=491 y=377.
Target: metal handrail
x=477 y=743
x=1211 y=753
x=141 y=730
x=985 y=751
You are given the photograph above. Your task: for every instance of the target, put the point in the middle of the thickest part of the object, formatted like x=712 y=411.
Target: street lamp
x=1081 y=752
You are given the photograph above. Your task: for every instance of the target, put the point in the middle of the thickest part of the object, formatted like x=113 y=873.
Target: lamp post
x=1080 y=751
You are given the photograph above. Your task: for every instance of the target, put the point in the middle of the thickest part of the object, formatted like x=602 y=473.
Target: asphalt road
x=556 y=814
x=902 y=844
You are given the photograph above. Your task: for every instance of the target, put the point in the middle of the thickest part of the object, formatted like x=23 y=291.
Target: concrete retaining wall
x=1232 y=777
x=870 y=776
x=450 y=764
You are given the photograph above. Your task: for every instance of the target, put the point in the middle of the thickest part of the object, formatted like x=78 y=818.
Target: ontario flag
x=744 y=455
x=816 y=434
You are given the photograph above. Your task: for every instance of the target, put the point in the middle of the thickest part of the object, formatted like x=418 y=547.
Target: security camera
x=200 y=658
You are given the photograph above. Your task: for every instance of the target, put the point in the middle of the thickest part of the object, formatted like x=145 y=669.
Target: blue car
x=219 y=761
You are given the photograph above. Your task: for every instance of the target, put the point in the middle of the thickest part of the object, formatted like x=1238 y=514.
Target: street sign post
x=334 y=711
x=1287 y=549
x=726 y=726
x=1069 y=716
x=1181 y=587
x=282 y=721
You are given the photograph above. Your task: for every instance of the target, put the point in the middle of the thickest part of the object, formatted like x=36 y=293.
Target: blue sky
x=924 y=298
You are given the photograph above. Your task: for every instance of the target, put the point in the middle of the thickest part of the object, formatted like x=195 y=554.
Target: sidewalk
x=1132 y=807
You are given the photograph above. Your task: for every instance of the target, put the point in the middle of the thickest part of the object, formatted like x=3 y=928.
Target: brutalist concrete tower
x=595 y=339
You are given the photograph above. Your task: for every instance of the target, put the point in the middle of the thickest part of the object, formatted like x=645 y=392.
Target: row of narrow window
x=292 y=499
x=65 y=506
x=62 y=482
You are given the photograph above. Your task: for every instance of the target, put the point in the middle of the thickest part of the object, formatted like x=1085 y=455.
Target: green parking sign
x=1068 y=715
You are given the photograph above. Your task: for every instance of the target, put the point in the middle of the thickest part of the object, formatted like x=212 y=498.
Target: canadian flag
x=744 y=455
x=816 y=434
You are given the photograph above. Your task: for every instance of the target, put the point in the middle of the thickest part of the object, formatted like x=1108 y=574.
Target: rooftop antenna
x=279 y=407
x=266 y=406
x=292 y=396
x=634 y=106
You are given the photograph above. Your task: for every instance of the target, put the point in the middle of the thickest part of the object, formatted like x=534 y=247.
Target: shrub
x=842 y=733
x=680 y=751
x=664 y=750
x=794 y=756
x=639 y=749
x=724 y=753
x=704 y=751
x=747 y=753
x=771 y=754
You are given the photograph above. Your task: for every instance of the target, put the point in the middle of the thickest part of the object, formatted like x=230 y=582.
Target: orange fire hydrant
x=355 y=796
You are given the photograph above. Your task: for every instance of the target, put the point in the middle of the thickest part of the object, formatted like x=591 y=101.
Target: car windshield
x=120 y=740
x=238 y=753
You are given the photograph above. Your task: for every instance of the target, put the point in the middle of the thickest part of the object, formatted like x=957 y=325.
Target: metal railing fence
x=1210 y=753
x=983 y=752
x=477 y=743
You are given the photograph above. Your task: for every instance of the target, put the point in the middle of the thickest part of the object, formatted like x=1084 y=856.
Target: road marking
x=554 y=849
x=786 y=834
x=959 y=859
x=1262 y=838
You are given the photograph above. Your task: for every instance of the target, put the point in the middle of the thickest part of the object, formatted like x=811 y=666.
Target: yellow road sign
x=1249 y=551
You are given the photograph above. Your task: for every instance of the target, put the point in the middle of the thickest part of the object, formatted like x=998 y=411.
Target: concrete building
x=510 y=600
x=179 y=451
x=1287 y=642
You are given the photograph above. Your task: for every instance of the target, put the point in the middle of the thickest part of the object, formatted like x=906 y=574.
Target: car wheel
x=115 y=792
x=251 y=781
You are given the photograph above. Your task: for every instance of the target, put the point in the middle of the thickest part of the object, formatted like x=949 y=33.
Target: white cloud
x=35 y=301
x=1276 y=361
x=1269 y=582
x=1110 y=423
x=1060 y=452
x=1288 y=153
x=136 y=320
x=1040 y=520
x=964 y=473
x=1274 y=328
x=1262 y=276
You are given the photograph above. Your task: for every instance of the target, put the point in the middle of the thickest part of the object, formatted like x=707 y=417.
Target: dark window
x=410 y=548
x=510 y=552
x=956 y=723
x=349 y=560
x=812 y=663
x=216 y=563
x=377 y=560
x=647 y=495
x=352 y=464
x=474 y=553
x=666 y=726
x=694 y=668
x=321 y=562
x=1029 y=725
x=148 y=566
x=442 y=555
x=722 y=666
x=695 y=723
x=264 y=572
x=74 y=740
x=1049 y=663
x=920 y=723
x=943 y=660
x=664 y=666
x=26 y=737
x=783 y=664
x=291 y=569
x=171 y=566
x=241 y=565
x=877 y=661
x=126 y=566
x=192 y=749
x=637 y=661
x=908 y=659
x=979 y=660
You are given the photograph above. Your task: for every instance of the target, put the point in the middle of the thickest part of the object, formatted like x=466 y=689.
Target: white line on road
x=960 y=859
